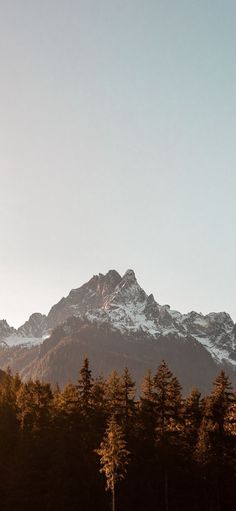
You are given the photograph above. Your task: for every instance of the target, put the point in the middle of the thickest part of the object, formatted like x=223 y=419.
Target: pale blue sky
x=117 y=149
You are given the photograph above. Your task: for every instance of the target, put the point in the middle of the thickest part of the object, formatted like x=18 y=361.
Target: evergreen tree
x=183 y=451
x=8 y=429
x=230 y=425
x=169 y=421
x=84 y=387
x=34 y=400
x=219 y=402
x=192 y=418
x=113 y=456
x=213 y=446
x=66 y=405
x=147 y=409
x=114 y=395
x=127 y=400
x=168 y=402
x=99 y=407
x=8 y=403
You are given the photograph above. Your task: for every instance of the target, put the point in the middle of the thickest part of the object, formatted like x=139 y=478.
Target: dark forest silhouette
x=179 y=453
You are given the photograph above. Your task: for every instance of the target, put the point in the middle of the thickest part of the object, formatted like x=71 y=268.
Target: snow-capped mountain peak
x=120 y=303
x=127 y=291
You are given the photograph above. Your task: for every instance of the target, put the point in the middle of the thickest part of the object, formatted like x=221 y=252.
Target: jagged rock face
x=84 y=299
x=5 y=329
x=34 y=327
x=119 y=307
x=215 y=331
x=118 y=301
x=128 y=308
x=121 y=303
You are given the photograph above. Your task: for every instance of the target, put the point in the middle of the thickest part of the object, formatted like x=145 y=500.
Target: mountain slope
x=112 y=319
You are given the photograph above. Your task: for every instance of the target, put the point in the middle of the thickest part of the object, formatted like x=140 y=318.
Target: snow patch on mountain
x=218 y=354
x=24 y=342
x=123 y=305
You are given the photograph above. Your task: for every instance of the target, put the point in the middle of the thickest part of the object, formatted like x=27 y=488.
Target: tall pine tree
x=113 y=457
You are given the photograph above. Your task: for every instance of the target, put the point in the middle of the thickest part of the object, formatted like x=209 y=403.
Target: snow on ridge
x=173 y=313
x=219 y=354
x=28 y=342
x=123 y=305
x=126 y=318
x=129 y=310
x=133 y=319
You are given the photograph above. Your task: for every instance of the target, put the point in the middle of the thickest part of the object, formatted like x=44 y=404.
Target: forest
x=97 y=445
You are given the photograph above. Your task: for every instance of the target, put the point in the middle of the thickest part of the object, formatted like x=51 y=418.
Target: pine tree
x=231 y=417
x=99 y=407
x=113 y=456
x=147 y=387
x=212 y=448
x=169 y=421
x=192 y=418
x=127 y=402
x=183 y=451
x=203 y=452
x=34 y=400
x=66 y=405
x=168 y=402
x=99 y=394
x=147 y=410
x=84 y=387
x=219 y=402
x=8 y=415
x=114 y=396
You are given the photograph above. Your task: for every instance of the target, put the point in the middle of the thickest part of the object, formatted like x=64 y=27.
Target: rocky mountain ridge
x=119 y=305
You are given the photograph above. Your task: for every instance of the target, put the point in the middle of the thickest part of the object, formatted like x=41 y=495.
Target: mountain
x=36 y=326
x=5 y=330
x=115 y=323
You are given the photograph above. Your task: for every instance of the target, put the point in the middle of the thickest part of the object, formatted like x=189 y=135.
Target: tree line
x=60 y=449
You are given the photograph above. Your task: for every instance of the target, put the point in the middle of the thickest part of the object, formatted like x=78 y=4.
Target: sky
x=117 y=150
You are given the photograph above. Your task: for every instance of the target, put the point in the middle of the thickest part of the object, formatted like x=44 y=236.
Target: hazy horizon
x=117 y=150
